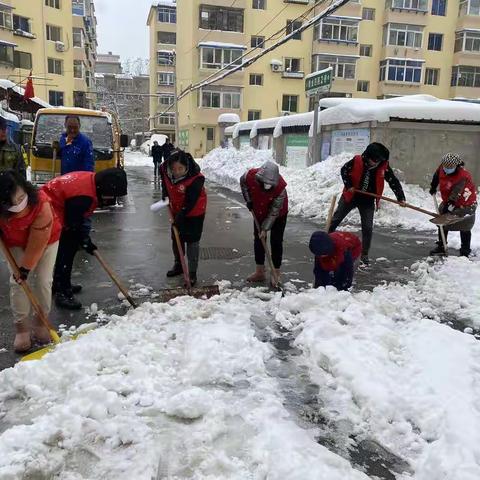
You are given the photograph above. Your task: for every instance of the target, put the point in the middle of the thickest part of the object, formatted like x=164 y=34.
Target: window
x=78 y=7
x=363 y=86
x=343 y=67
x=164 y=58
x=400 y=70
x=165 y=100
x=220 y=98
x=167 y=118
x=254 y=115
x=258 y=4
x=164 y=78
x=256 y=79
x=78 y=37
x=221 y=18
x=21 y=23
x=167 y=14
x=467 y=41
x=219 y=57
x=290 y=103
x=337 y=29
x=365 y=50
x=55 y=66
x=368 y=14
x=169 y=38
x=78 y=69
x=54 y=33
x=465 y=76
x=257 y=42
x=6 y=54
x=431 y=76
x=5 y=17
x=418 y=5
x=55 y=98
x=22 y=60
x=403 y=35
x=469 y=7
x=439 y=7
x=292 y=64
x=293 y=25
x=52 y=3
x=435 y=41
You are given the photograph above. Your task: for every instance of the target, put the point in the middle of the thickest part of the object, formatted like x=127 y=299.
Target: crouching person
x=184 y=185
x=75 y=197
x=265 y=192
x=335 y=256
x=459 y=198
x=31 y=230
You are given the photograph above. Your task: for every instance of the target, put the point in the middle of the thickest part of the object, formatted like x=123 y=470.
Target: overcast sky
x=122 y=27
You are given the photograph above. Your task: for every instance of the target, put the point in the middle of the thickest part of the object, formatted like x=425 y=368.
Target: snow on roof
x=229 y=130
x=411 y=107
x=228 y=118
x=164 y=3
x=242 y=127
x=265 y=123
x=8 y=116
x=7 y=84
x=301 y=119
x=333 y=101
x=123 y=76
x=99 y=75
x=221 y=45
x=10 y=44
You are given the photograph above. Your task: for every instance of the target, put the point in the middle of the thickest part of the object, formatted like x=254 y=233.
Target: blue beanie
x=321 y=244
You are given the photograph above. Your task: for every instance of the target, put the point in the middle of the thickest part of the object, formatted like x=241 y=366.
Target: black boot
x=175 y=271
x=466 y=238
x=67 y=301
x=438 y=250
x=364 y=260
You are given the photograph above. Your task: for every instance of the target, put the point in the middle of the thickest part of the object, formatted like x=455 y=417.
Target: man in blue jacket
x=76 y=149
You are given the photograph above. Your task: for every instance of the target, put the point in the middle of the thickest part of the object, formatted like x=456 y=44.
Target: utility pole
x=175 y=98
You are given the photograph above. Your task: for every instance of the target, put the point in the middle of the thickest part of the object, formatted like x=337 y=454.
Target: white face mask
x=20 y=207
x=267 y=187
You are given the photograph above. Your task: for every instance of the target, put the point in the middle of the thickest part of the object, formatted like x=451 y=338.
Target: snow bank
x=137 y=159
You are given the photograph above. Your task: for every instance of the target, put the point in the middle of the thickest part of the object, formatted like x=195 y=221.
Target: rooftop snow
x=164 y=3
x=221 y=45
x=243 y=126
x=7 y=84
x=266 y=123
x=8 y=116
x=228 y=118
x=301 y=119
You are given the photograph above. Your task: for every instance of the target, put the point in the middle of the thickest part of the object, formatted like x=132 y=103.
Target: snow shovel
x=197 y=292
x=442 y=230
x=35 y=305
x=276 y=281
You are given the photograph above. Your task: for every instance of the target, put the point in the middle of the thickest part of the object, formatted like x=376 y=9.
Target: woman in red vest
x=459 y=197
x=265 y=192
x=31 y=230
x=367 y=173
x=184 y=185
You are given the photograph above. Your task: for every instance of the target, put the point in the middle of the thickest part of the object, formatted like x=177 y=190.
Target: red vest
x=16 y=230
x=262 y=199
x=76 y=184
x=448 y=182
x=357 y=174
x=343 y=242
x=176 y=194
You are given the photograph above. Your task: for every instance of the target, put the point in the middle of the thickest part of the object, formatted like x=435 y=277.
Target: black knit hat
x=377 y=152
x=111 y=182
x=321 y=244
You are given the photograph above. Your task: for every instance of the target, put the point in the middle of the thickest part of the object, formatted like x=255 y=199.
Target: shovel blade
x=447 y=219
x=196 y=292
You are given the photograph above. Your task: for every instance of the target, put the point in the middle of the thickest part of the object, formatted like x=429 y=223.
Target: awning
x=9 y=44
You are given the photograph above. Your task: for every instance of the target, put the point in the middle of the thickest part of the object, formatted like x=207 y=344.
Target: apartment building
x=377 y=49
x=56 y=40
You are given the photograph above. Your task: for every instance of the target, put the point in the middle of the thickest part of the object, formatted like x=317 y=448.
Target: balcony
x=408 y=6
x=25 y=34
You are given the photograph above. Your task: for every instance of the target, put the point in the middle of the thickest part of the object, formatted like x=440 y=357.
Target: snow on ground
x=181 y=390
x=137 y=159
x=311 y=190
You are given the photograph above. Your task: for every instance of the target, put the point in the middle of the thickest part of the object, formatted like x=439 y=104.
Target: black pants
x=67 y=249
x=156 y=167
x=193 y=253
x=367 y=212
x=465 y=238
x=276 y=243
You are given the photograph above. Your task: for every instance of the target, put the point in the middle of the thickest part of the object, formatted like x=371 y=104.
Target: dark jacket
x=167 y=149
x=157 y=153
x=78 y=156
x=11 y=158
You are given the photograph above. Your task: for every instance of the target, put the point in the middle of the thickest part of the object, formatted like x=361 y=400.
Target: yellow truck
x=101 y=127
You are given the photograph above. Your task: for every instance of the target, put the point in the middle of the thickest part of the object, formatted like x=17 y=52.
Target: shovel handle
x=28 y=292
x=330 y=213
x=114 y=278
x=396 y=202
x=176 y=234
x=267 y=252
x=442 y=230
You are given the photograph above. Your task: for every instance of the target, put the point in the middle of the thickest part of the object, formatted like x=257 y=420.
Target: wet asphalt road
x=136 y=242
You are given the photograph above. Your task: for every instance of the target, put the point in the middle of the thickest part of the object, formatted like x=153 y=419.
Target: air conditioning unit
x=284 y=113
x=59 y=46
x=276 y=66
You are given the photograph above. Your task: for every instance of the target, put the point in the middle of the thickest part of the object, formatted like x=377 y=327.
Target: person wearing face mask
x=11 y=157
x=31 y=230
x=184 y=186
x=265 y=192
x=74 y=198
x=459 y=197
x=367 y=173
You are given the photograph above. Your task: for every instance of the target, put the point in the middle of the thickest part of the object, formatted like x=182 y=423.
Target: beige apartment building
x=377 y=49
x=56 y=40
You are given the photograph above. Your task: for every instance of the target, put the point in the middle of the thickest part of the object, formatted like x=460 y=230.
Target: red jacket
x=448 y=182
x=357 y=174
x=76 y=184
x=16 y=230
x=343 y=242
x=262 y=199
x=176 y=194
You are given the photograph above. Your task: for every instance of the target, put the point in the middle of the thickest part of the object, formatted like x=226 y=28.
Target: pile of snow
x=137 y=159
x=156 y=137
x=228 y=118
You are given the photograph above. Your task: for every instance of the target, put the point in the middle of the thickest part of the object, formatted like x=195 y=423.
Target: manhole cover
x=220 y=253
